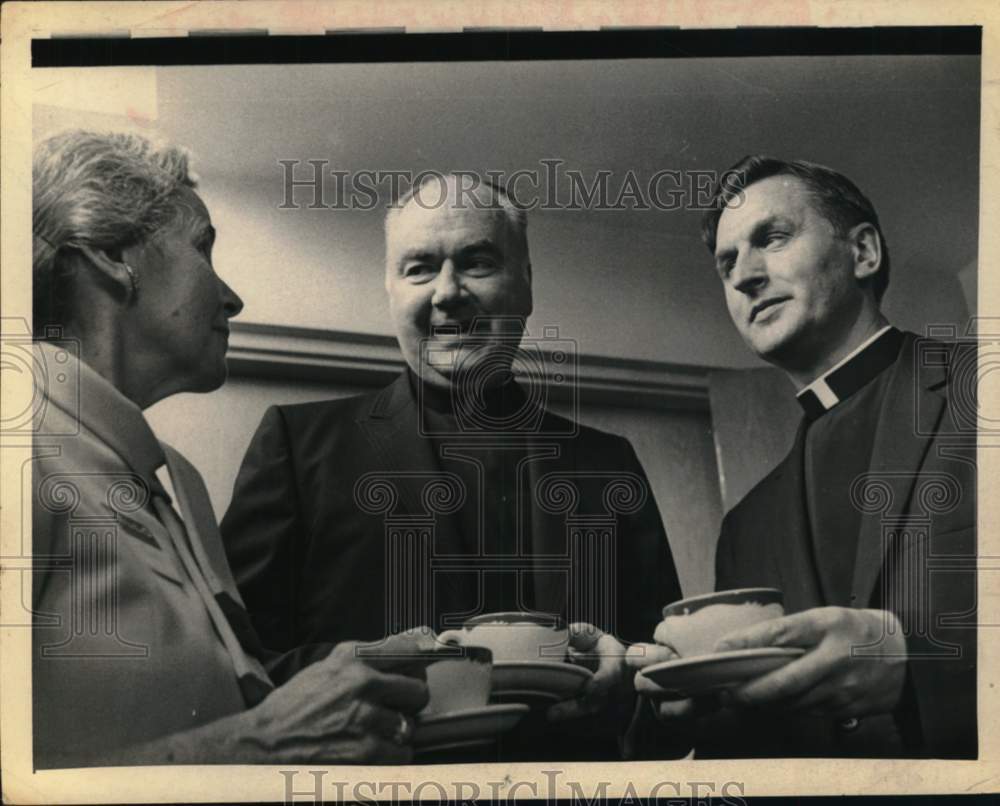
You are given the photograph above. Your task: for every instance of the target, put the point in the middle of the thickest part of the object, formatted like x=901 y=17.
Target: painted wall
x=629 y=283
x=622 y=283
x=675 y=448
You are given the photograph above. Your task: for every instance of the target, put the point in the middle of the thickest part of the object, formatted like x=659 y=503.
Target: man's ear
x=867 y=248
x=111 y=267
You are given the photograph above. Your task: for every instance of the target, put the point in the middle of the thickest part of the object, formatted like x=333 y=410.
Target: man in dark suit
x=453 y=491
x=868 y=525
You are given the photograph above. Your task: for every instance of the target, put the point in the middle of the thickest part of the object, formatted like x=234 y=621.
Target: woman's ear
x=531 y=299
x=867 y=247
x=113 y=269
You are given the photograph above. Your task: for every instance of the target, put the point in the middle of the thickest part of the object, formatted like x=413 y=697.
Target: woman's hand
x=341 y=709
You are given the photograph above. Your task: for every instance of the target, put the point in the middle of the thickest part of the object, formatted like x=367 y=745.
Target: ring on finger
x=403 y=731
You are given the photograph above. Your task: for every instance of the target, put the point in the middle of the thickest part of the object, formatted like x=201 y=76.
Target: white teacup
x=696 y=624
x=458 y=679
x=514 y=636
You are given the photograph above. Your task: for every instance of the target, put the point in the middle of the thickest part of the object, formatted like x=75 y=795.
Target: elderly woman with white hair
x=142 y=651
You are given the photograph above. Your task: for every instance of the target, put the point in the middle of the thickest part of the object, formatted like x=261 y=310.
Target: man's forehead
x=427 y=222
x=775 y=196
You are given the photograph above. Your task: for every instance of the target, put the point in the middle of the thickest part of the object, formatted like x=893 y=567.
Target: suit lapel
x=207 y=556
x=392 y=428
x=199 y=520
x=910 y=414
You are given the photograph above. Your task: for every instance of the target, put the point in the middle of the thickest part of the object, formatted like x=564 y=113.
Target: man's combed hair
x=841 y=201
x=104 y=190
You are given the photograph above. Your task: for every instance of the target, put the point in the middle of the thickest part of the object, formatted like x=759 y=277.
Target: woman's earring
x=134 y=278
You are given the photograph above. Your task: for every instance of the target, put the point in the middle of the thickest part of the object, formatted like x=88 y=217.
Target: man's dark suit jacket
x=310 y=561
x=921 y=486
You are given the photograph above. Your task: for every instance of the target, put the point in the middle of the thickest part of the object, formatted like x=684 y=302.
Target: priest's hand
x=667 y=707
x=830 y=679
x=604 y=655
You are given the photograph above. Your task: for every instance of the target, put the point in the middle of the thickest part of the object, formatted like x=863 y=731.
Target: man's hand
x=827 y=680
x=668 y=707
x=605 y=657
x=340 y=709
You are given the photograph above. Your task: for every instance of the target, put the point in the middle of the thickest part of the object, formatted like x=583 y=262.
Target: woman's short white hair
x=104 y=190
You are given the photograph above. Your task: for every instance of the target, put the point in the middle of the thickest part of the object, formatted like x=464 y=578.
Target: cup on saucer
x=458 y=679
x=697 y=623
x=514 y=636
x=694 y=627
x=458 y=715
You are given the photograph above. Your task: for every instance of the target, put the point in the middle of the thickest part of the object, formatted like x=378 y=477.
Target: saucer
x=689 y=677
x=468 y=728
x=537 y=682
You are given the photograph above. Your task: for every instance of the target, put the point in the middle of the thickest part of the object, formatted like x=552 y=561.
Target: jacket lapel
x=392 y=428
x=199 y=521
x=910 y=414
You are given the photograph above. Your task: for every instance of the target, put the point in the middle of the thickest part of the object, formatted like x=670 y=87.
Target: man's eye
x=480 y=266
x=417 y=271
x=774 y=238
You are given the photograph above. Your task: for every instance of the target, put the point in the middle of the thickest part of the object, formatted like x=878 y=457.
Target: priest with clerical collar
x=844 y=525
x=842 y=409
x=460 y=452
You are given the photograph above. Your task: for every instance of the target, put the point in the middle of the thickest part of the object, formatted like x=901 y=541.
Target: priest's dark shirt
x=470 y=440
x=838 y=449
x=495 y=530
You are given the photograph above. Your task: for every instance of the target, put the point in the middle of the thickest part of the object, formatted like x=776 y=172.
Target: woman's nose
x=232 y=304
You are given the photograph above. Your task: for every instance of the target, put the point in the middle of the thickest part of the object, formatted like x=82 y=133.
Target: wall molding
x=361 y=359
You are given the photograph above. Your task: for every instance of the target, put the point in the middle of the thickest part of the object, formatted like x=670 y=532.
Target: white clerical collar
x=852 y=372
